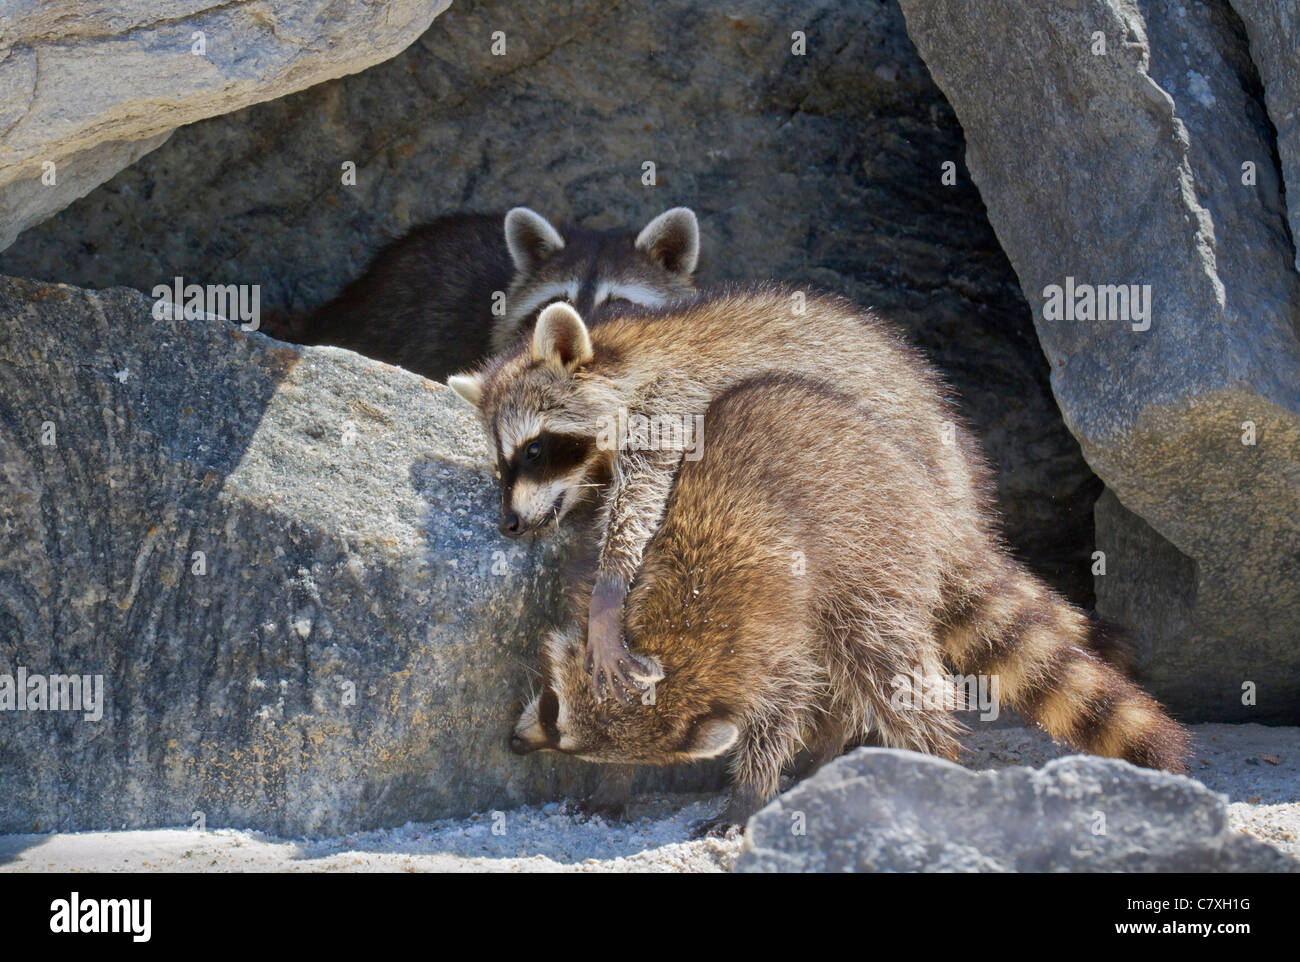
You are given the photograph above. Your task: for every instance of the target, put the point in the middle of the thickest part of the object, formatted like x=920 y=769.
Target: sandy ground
x=1258 y=768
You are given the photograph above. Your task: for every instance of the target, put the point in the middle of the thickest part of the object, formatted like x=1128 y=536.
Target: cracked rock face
x=283 y=567
x=1273 y=27
x=1151 y=161
x=822 y=169
x=92 y=90
x=887 y=810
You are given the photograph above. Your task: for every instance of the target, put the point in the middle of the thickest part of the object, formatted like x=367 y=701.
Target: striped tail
x=1047 y=657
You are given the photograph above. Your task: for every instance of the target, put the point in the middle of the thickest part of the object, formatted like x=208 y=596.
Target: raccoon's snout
x=510 y=525
x=519 y=746
x=516 y=525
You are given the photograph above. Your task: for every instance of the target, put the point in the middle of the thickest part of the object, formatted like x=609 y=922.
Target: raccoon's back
x=812 y=464
x=425 y=301
x=798 y=500
x=734 y=333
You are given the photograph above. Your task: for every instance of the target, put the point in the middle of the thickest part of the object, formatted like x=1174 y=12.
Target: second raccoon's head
x=591 y=268
x=545 y=413
x=663 y=728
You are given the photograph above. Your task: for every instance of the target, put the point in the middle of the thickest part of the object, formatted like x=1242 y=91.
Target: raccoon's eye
x=548 y=710
x=617 y=299
x=533 y=451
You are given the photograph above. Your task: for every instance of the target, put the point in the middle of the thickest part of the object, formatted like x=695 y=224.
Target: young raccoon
x=547 y=406
x=426 y=301
x=803 y=570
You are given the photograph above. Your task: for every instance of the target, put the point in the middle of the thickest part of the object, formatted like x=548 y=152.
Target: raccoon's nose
x=510 y=525
x=518 y=745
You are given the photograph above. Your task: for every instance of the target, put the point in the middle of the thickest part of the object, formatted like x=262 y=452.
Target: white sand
x=1237 y=760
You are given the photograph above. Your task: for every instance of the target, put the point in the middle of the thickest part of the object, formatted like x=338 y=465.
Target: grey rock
x=30 y=201
x=822 y=169
x=886 y=810
x=1274 y=30
x=73 y=78
x=1126 y=168
x=350 y=647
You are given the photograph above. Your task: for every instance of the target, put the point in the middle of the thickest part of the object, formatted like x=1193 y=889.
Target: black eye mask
x=557 y=455
x=548 y=712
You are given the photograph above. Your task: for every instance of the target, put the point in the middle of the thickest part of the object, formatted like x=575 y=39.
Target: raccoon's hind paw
x=744 y=800
x=613 y=793
x=720 y=826
x=610 y=809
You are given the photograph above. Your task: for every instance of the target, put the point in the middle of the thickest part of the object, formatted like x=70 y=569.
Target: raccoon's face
x=593 y=268
x=545 y=415
x=659 y=730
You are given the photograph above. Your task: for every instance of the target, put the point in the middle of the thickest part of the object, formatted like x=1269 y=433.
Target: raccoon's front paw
x=615 y=670
x=611 y=665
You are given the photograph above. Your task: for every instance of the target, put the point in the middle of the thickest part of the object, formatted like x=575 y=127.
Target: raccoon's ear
x=530 y=238
x=468 y=386
x=654 y=670
x=672 y=240
x=560 y=337
x=560 y=642
x=711 y=738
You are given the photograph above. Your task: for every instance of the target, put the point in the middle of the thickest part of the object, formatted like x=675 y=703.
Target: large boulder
x=90 y=88
x=824 y=167
x=1127 y=143
x=282 y=564
x=887 y=810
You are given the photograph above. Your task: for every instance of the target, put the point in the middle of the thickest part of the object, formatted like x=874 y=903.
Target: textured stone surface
x=1274 y=30
x=29 y=201
x=346 y=515
x=822 y=169
x=91 y=88
x=1126 y=168
x=885 y=810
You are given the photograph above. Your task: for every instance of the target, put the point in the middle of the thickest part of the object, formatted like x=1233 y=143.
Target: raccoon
x=546 y=405
x=803 y=575
x=426 y=303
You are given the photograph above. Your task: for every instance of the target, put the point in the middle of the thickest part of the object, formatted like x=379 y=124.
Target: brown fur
x=769 y=599
x=903 y=563
x=671 y=364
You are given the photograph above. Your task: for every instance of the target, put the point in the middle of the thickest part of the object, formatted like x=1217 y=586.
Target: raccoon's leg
x=769 y=742
x=632 y=513
x=613 y=792
x=878 y=654
x=828 y=741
